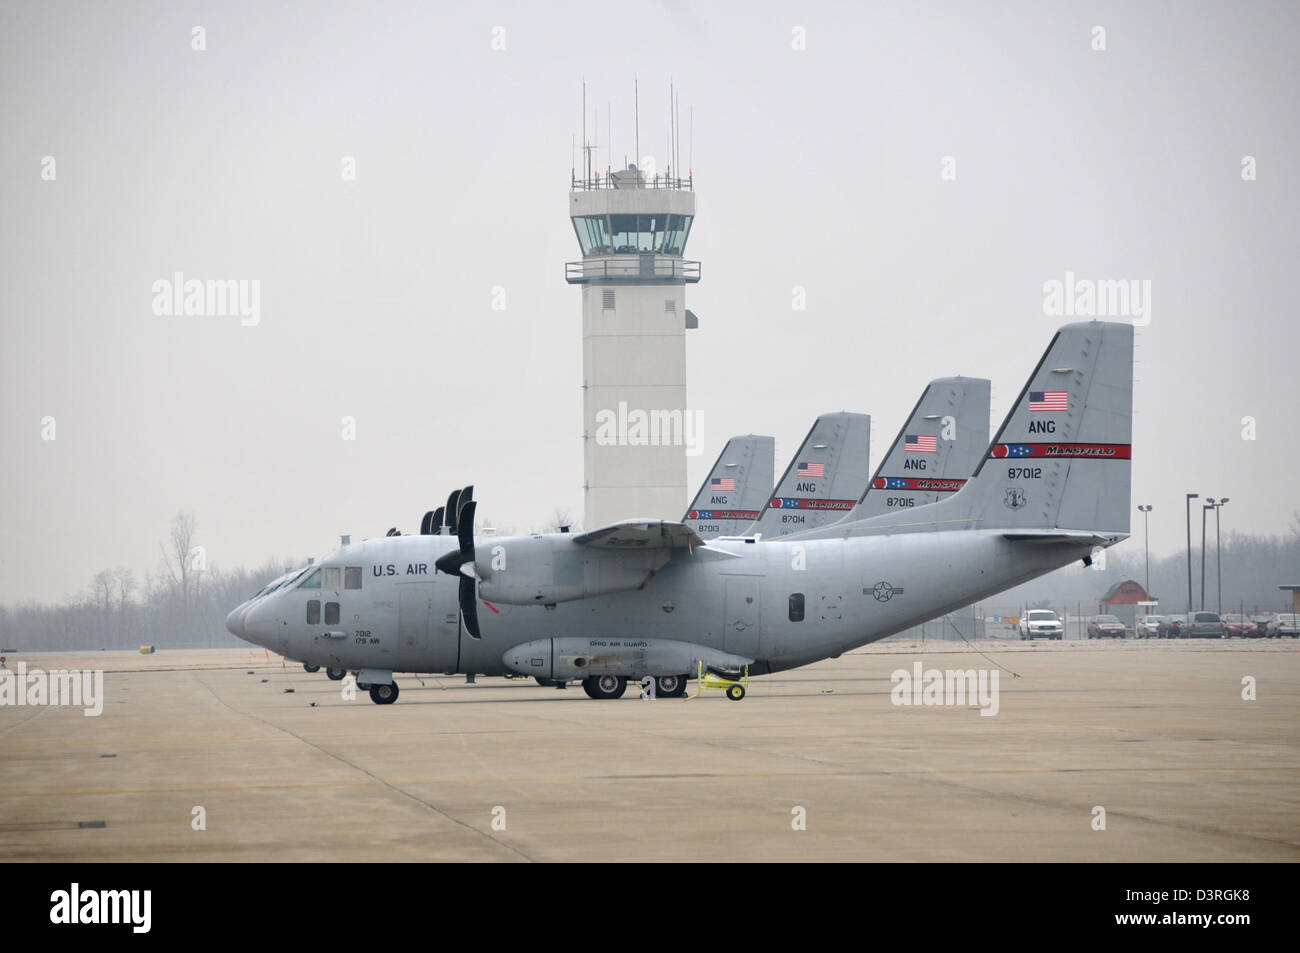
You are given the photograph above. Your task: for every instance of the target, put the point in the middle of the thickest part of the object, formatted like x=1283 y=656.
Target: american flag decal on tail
x=1049 y=401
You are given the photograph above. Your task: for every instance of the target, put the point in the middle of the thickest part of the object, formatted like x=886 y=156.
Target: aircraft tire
x=384 y=694
x=605 y=686
x=335 y=674
x=309 y=668
x=670 y=686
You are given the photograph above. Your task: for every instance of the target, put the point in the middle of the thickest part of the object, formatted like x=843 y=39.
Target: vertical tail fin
x=935 y=453
x=1062 y=458
x=825 y=478
x=735 y=491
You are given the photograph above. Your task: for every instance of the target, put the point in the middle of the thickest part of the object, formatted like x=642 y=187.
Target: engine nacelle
x=542 y=570
x=570 y=658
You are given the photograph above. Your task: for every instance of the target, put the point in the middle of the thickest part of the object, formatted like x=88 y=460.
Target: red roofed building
x=1122 y=599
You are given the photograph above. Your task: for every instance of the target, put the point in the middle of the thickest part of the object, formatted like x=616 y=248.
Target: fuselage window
x=352 y=577
x=796 y=607
x=312 y=581
x=331 y=580
x=313 y=612
x=331 y=613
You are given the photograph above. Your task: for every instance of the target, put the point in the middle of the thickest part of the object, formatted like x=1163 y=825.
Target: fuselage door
x=741 y=618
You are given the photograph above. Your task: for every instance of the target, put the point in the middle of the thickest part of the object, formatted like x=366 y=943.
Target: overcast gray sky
x=817 y=167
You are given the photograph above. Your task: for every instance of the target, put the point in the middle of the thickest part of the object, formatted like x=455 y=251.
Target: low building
x=1122 y=601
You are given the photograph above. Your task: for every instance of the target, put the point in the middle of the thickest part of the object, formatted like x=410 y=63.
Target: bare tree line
x=182 y=603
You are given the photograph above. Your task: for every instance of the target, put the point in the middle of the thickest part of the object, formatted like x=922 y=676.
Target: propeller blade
x=466 y=531
x=468 y=588
x=466 y=495
x=436 y=522
x=453 y=508
x=392 y=531
x=426 y=528
x=469 y=606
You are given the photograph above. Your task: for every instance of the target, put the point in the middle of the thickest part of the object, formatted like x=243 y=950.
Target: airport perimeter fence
x=992 y=622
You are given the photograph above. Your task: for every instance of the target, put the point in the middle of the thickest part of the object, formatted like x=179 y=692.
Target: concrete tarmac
x=1155 y=733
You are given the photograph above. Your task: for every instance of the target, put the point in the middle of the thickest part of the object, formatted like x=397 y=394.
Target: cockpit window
x=352 y=577
x=312 y=581
x=331 y=577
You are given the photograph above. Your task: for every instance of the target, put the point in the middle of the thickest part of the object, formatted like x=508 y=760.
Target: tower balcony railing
x=632 y=268
x=611 y=180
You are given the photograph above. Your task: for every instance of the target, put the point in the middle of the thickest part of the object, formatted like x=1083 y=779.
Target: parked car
x=1148 y=627
x=1171 y=626
x=1284 y=623
x=1237 y=626
x=1041 y=624
x=1203 y=625
x=1106 y=627
x=1261 y=624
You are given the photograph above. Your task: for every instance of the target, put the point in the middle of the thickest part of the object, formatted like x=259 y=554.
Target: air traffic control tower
x=632 y=229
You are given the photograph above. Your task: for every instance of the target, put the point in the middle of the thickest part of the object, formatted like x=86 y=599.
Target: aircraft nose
x=235 y=621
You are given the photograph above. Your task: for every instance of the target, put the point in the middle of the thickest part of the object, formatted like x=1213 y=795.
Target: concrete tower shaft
x=637 y=429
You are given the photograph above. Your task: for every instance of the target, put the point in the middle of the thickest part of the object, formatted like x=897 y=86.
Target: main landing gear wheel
x=309 y=668
x=670 y=686
x=335 y=674
x=383 y=694
x=736 y=692
x=605 y=686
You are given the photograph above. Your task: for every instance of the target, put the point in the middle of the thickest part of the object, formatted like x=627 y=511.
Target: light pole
x=1218 y=552
x=1190 y=497
x=1145 y=510
x=1209 y=505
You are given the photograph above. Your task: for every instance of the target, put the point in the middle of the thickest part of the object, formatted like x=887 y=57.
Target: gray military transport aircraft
x=649 y=598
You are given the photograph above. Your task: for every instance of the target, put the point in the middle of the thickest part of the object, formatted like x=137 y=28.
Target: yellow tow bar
x=735 y=689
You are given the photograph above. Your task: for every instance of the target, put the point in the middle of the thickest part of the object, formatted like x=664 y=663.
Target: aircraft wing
x=1064 y=536
x=641 y=535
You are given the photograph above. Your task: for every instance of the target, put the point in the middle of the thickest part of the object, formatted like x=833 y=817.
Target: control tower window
x=593 y=235
x=677 y=228
x=623 y=234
